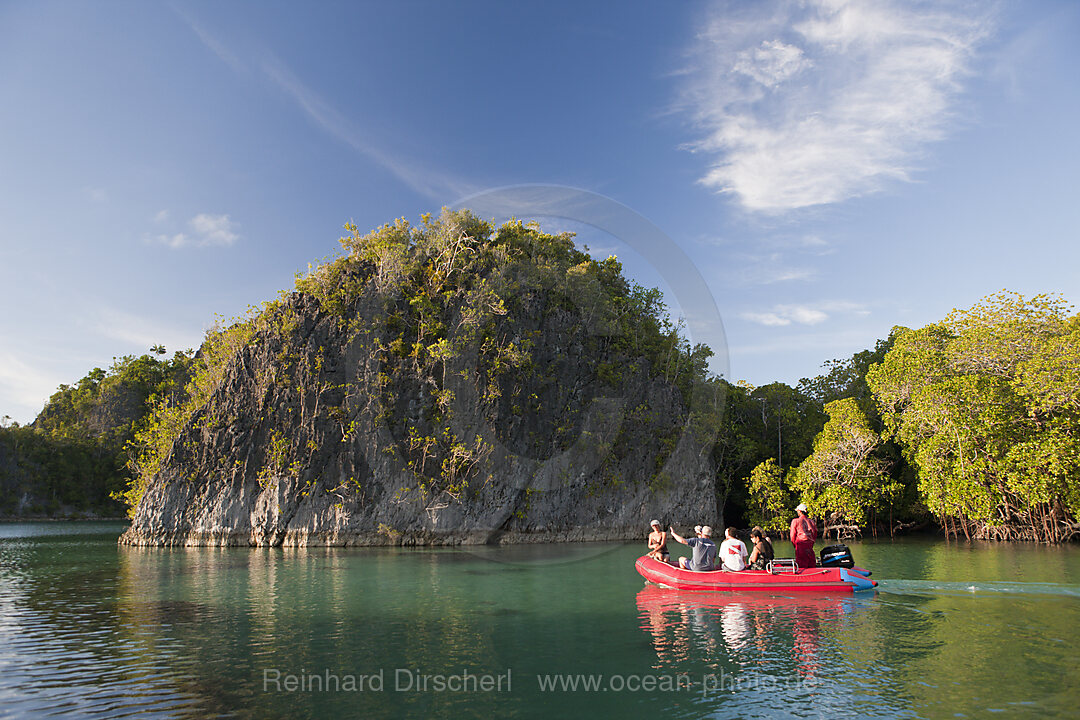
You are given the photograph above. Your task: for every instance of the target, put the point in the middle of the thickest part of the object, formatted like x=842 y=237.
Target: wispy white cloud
x=814 y=244
x=809 y=103
x=815 y=314
x=214 y=229
x=141 y=332
x=97 y=194
x=1021 y=59
x=750 y=269
x=771 y=63
x=776 y=259
x=434 y=184
x=816 y=343
x=786 y=274
x=28 y=378
x=24 y=386
x=785 y=315
x=204 y=230
x=223 y=53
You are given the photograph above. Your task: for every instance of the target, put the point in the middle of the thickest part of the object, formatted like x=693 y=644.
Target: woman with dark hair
x=763 y=550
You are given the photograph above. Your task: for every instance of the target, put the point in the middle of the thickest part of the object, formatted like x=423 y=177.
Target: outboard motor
x=836 y=556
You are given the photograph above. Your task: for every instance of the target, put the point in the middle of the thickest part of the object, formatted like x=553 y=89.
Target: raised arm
x=678 y=538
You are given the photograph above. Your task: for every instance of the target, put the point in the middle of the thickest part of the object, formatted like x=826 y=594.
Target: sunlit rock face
x=448 y=384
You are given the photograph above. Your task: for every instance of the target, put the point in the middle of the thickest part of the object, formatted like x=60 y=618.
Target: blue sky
x=830 y=168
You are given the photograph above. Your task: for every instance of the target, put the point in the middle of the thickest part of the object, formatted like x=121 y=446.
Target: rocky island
x=443 y=383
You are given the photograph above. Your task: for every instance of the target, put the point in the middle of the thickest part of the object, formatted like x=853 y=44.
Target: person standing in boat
x=803 y=534
x=762 y=554
x=658 y=543
x=702 y=545
x=732 y=552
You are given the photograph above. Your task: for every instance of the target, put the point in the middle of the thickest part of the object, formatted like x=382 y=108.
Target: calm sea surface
x=89 y=629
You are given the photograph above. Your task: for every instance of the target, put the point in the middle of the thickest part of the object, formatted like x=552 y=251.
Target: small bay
x=90 y=629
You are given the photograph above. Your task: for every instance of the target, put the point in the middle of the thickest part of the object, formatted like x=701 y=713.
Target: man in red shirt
x=803 y=535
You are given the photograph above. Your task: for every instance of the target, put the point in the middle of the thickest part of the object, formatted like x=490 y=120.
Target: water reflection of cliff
x=220 y=618
x=750 y=630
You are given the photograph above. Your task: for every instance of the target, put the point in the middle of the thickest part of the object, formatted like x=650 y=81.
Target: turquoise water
x=89 y=629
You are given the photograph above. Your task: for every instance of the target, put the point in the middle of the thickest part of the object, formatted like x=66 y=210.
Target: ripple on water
x=936 y=588
x=93 y=631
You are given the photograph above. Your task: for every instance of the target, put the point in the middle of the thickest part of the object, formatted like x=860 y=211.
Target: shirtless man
x=658 y=543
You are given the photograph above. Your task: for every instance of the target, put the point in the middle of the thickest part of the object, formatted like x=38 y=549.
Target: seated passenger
x=732 y=552
x=658 y=543
x=763 y=550
x=702 y=545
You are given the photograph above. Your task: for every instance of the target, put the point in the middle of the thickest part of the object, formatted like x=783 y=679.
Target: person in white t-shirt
x=732 y=552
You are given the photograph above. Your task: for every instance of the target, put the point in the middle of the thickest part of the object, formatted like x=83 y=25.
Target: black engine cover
x=836 y=556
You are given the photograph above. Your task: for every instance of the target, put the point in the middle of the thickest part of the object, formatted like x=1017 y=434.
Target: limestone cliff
x=440 y=384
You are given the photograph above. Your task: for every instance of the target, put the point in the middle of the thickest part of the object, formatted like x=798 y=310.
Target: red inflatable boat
x=783 y=577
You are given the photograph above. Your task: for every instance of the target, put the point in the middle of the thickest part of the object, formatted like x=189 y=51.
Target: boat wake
x=938 y=587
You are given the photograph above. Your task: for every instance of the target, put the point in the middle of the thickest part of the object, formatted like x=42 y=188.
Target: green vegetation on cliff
x=73 y=459
x=452 y=354
x=474 y=340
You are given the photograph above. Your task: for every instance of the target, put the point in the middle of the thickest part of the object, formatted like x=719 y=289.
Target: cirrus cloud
x=204 y=230
x=783 y=315
x=810 y=103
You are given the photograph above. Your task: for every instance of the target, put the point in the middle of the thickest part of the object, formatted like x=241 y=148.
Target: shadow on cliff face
x=444 y=385
x=692 y=295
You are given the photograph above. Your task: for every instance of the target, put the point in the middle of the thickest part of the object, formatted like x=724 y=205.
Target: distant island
x=453 y=382
x=71 y=462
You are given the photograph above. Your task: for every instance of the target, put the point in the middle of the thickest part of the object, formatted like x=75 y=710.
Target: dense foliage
x=460 y=315
x=847 y=379
x=770 y=501
x=43 y=476
x=73 y=458
x=986 y=405
x=973 y=422
x=846 y=476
